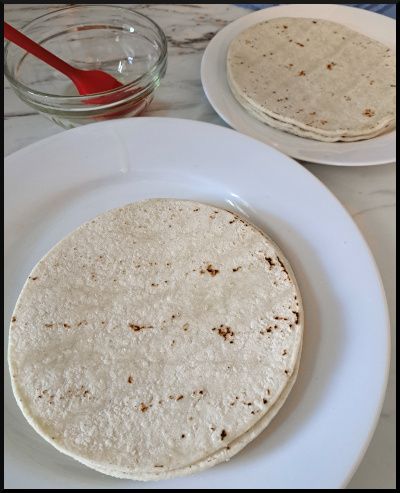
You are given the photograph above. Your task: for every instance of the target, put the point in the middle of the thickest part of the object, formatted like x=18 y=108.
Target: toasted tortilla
x=157 y=339
x=315 y=76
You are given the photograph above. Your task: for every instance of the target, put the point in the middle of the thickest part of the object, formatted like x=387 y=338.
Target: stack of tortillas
x=157 y=339
x=314 y=78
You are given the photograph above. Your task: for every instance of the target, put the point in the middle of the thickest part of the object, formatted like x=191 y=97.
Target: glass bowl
x=128 y=45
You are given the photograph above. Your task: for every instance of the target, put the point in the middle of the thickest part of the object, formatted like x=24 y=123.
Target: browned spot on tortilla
x=265 y=401
x=67 y=326
x=84 y=322
x=48 y=325
x=33 y=278
x=196 y=210
x=136 y=328
x=158 y=465
x=223 y=434
x=300 y=44
x=265 y=330
x=226 y=332
x=283 y=267
x=185 y=327
x=280 y=318
x=13 y=319
x=211 y=270
x=154 y=284
x=143 y=407
x=368 y=112
x=236 y=269
x=301 y=73
x=179 y=397
x=297 y=317
x=284 y=352
x=130 y=379
x=270 y=262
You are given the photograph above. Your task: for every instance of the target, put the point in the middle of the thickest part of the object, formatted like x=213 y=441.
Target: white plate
x=378 y=150
x=322 y=431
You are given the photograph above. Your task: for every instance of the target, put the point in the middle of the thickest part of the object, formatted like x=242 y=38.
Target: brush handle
x=38 y=51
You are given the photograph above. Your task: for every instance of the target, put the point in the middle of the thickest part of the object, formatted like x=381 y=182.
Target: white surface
x=368 y=193
x=330 y=415
x=379 y=150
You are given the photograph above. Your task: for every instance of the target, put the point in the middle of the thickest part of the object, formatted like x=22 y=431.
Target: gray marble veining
x=369 y=193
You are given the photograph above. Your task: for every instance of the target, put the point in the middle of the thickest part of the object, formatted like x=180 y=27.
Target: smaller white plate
x=379 y=150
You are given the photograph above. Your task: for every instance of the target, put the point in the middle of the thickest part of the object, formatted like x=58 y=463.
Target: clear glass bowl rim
x=59 y=97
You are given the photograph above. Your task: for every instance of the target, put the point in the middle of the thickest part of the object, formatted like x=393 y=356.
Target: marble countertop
x=368 y=193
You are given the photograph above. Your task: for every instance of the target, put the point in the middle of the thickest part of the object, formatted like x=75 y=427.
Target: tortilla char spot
x=368 y=112
x=211 y=270
x=226 y=332
x=137 y=328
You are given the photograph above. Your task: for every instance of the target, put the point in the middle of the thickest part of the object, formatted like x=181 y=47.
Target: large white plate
x=322 y=431
x=378 y=150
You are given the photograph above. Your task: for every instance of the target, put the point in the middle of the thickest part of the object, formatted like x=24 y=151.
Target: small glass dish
x=128 y=45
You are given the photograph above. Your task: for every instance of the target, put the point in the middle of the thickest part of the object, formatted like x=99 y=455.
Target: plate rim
x=316 y=180
x=258 y=15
